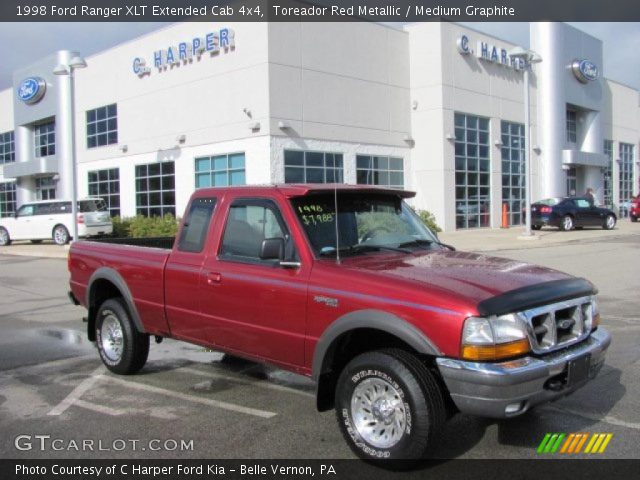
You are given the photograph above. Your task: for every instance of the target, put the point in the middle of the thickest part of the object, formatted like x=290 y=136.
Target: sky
x=24 y=43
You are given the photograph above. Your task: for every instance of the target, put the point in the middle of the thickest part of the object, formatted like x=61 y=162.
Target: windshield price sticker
x=310 y=209
x=318 y=218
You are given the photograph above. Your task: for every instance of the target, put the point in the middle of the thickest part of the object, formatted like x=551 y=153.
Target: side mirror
x=272 y=249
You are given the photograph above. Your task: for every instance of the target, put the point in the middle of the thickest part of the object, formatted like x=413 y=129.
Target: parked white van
x=37 y=221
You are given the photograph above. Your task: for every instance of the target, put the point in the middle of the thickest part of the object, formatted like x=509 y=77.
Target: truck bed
x=139 y=262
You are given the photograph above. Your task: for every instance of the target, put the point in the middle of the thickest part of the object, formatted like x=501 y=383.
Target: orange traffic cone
x=505 y=216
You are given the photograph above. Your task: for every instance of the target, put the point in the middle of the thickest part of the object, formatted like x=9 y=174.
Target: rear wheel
x=122 y=348
x=5 y=239
x=388 y=406
x=609 y=222
x=634 y=219
x=567 y=223
x=60 y=235
x=536 y=227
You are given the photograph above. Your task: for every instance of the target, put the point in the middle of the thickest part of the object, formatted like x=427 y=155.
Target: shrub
x=140 y=226
x=121 y=226
x=429 y=220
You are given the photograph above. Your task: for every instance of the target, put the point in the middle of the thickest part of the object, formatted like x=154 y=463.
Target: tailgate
x=92 y=219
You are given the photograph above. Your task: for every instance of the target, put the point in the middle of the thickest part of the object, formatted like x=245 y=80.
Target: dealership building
x=434 y=107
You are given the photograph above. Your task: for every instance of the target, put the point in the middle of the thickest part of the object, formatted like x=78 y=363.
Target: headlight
x=493 y=338
x=592 y=318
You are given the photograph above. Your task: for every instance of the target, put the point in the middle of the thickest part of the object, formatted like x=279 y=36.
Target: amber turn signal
x=483 y=353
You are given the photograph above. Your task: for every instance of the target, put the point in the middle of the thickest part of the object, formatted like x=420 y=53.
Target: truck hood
x=460 y=275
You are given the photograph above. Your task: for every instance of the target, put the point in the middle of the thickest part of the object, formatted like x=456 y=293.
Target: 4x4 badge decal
x=328 y=301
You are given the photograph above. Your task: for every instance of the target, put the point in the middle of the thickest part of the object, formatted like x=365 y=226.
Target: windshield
x=367 y=222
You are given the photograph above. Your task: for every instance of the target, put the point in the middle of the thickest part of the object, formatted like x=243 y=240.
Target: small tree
x=429 y=220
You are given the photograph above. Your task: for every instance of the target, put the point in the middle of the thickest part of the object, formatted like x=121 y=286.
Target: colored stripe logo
x=574 y=443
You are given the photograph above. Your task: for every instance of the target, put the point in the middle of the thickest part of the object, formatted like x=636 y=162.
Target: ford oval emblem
x=584 y=70
x=31 y=90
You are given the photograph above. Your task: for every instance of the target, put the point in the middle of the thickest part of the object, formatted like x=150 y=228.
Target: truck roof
x=290 y=190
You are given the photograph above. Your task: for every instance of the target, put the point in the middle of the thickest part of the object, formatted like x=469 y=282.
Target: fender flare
x=370 y=319
x=106 y=273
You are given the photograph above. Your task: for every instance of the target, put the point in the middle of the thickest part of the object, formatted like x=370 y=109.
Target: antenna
x=335 y=201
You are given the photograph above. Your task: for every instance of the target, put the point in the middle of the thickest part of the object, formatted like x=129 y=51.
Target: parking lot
x=57 y=401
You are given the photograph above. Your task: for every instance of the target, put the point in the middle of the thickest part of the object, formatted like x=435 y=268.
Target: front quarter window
x=366 y=222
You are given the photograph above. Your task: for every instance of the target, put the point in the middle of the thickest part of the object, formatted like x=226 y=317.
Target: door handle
x=213 y=278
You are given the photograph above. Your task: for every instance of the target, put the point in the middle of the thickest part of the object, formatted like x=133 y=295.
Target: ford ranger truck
x=398 y=330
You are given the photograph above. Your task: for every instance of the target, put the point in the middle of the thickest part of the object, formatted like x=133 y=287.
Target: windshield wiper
x=422 y=242
x=363 y=247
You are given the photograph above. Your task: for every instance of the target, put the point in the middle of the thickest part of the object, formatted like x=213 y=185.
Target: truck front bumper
x=510 y=388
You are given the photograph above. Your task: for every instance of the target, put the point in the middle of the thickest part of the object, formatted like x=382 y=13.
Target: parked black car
x=570 y=212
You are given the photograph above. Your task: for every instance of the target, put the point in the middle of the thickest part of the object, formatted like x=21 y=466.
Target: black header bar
x=319 y=10
x=499 y=469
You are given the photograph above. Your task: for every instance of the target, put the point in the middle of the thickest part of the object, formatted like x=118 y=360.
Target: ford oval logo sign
x=31 y=90
x=584 y=70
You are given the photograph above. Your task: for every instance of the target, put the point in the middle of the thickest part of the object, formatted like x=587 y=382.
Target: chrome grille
x=558 y=325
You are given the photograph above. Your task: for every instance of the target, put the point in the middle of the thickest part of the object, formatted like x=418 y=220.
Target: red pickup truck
x=398 y=330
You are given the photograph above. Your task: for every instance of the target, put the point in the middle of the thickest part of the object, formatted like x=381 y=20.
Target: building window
x=626 y=173
x=102 y=126
x=106 y=185
x=155 y=189
x=312 y=167
x=7 y=199
x=513 y=170
x=45 y=139
x=608 y=175
x=572 y=126
x=376 y=170
x=473 y=201
x=45 y=188
x=220 y=170
x=7 y=147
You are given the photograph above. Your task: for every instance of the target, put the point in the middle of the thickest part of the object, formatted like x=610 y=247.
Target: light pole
x=67 y=70
x=528 y=58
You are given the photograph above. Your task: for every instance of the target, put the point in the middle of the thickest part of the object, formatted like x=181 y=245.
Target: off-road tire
x=422 y=404
x=134 y=345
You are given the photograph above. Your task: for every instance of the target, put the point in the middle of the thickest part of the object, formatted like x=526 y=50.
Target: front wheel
x=60 y=235
x=634 y=219
x=609 y=222
x=388 y=406
x=536 y=227
x=567 y=223
x=122 y=348
x=5 y=239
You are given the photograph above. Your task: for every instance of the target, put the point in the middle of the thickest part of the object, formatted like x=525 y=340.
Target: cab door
x=256 y=307
x=183 y=274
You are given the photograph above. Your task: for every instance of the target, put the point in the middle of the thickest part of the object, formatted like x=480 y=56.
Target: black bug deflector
x=536 y=295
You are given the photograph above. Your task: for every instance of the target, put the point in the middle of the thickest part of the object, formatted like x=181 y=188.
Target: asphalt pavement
x=189 y=402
